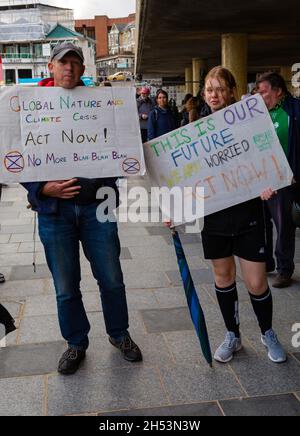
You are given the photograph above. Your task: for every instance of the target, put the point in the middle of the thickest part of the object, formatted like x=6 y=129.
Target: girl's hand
x=168 y=224
x=268 y=194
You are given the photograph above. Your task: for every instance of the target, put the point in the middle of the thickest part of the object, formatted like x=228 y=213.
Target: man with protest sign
x=67 y=215
x=285 y=113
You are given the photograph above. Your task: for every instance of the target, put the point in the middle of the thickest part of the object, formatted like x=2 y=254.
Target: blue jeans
x=60 y=234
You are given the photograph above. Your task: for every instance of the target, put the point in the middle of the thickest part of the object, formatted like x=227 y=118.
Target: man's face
x=67 y=71
x=271 y=96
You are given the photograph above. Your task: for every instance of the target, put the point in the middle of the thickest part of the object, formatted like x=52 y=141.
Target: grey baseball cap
x=63 y=49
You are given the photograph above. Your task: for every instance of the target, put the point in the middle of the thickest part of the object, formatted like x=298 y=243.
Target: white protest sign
x=57 y=134
x=234 y=154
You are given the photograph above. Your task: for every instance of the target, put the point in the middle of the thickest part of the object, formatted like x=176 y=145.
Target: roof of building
x=60 y=31
x=120 y=27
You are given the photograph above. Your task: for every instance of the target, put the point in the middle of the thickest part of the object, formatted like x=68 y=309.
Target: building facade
x=99 y=28
x=28 y=32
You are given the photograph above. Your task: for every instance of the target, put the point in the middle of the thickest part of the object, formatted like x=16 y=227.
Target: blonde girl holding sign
x=238 y=231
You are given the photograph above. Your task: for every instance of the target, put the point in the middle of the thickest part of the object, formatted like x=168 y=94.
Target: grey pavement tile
x=167 y=320
x=23 y=237
x=144 y=280
x=193 y=383
x=37 y=329
x=260 y=376
x=186 y=239
x=151 y=252
x=200 y=276
x=23 y=396
x=287 y=308
x=9 y=248
x=25 y=272
x=170 y=297
x=141 y=299
x=15 y=222
x=19 y=259
x=20 y=289
x=154 y=265
x=200 y=409
x=185 y=346
x=28 y=247
x=251 y=330
x=145 y=241
x=46 y=304
x=158 y=231
x=26 y=360
x=106 y=390
x=277 y=405
x=101 y=354
x=4 y=239
x=5 y=204
x=17 y=229
x=125 y=253
x=127 y=232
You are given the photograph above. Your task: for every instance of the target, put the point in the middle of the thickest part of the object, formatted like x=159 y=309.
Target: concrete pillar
x=198 y=65
x=286 y=73
x=235 y=58
x=189 y=80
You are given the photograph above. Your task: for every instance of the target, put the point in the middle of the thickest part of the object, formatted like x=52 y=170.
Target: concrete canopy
x=172 y=32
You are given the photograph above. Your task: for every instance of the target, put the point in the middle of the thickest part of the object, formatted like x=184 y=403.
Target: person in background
x=161 y=119
x=184 y=115
x=285 y=113
x=193 y=109
x=145 y=106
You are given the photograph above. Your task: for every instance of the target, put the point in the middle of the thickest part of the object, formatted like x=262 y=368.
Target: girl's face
x=162 y=100
x=217 y=94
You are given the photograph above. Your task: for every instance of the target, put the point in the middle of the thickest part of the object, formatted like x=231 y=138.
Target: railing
x=15 y=57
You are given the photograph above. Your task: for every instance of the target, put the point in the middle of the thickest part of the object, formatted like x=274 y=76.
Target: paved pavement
x=173 y=378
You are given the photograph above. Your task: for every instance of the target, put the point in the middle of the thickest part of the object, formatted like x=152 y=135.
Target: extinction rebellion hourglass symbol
x=14 y=162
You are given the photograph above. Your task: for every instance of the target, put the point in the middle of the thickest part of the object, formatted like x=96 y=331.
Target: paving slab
x=23 y=396
x=26 y=272
x=276 y=405
x=260 y=376
x=200 y=409
x=200 y=276
x=165 y=320
x=194 y=383
x=105 y=391
x=26 y=360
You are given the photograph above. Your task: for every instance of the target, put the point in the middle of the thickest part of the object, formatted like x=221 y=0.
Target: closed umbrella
x=195 y=308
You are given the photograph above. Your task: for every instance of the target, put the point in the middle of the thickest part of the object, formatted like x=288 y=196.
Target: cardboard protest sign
x=234 y=154
x=57 y=134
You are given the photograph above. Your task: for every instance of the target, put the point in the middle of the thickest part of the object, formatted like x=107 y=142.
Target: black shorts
x=249 y=246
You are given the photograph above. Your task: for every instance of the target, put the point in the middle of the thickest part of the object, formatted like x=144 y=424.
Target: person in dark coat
x=161 y=119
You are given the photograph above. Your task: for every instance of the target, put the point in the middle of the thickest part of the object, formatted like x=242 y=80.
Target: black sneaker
x=2 y=278
x=70 y=361
x=130 y=350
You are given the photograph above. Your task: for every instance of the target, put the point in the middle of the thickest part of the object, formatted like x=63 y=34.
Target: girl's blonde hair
x=225 y=77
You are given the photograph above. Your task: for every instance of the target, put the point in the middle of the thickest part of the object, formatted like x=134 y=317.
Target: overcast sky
x=90 y=8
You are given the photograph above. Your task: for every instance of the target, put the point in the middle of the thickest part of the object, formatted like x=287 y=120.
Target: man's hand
x=61 y=189
x=268 y=194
